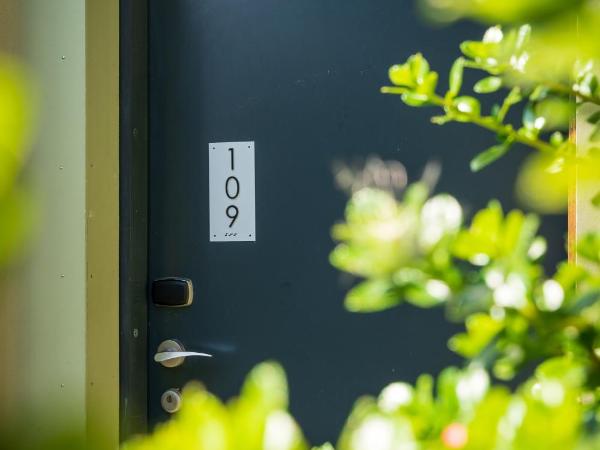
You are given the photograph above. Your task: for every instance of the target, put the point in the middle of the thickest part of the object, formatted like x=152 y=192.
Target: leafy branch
x=547 y=106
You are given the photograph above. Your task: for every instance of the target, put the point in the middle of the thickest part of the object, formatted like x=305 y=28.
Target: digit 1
x=233 y=215
x=231 y=151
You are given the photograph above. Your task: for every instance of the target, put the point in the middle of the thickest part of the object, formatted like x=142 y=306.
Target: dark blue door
x=299 y=78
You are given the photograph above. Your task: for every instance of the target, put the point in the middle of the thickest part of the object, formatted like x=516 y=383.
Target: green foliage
x=505 y=11
x=400 y=247
x=487 y=273
x=16 y=118
x=566 y=30
x=547 y=106
x=459 y=411
x=256 y=420
x=465 y=413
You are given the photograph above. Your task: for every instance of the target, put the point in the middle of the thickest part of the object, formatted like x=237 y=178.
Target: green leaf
x=519 y=233
x=427 y=87
x=514 y=96
x=420 y=296
x=562 y=368
x=523 y=36
x=18 y=214
x=479 y=243
x=488 y=156
x=557 y=139
x=488 y=85
x=481 y=329
x=484 y=428
x=594 y=118
x=531 y=120
x=266 y=385
x=416 y=194
x=400 y=75
x=394 y=90
x=588 y=85
x=415 y=99
x=467 y=105
x=557 y=113
x=419 y=67
x=569 y=274
x=589 y=246
x=441 y=120
x=371 y=296
x=584 y=301
x=479 y=50
x=596 y=200
x=539 y=93
x=456 y=77
x=595 y=135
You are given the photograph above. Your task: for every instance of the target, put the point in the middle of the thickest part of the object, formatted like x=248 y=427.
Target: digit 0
x=232 y=180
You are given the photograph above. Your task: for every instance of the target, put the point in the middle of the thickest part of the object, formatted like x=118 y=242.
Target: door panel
x=300 y=78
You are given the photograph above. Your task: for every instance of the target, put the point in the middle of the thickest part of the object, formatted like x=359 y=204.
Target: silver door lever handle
x=166 y=356
x=170 y=353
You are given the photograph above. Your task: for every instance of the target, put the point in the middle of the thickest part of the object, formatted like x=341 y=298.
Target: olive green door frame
x=102 y=221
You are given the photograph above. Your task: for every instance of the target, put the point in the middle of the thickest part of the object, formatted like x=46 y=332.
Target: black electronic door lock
x=173 y=292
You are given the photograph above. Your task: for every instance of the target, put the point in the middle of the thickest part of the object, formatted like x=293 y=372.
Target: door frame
x=133 y=211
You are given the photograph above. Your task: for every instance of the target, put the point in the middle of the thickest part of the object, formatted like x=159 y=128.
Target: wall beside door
x=59 y=316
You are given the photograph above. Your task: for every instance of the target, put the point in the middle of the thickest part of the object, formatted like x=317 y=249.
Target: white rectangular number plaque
x=231 y=191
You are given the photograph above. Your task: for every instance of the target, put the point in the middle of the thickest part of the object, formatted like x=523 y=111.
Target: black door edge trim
x=133 y=213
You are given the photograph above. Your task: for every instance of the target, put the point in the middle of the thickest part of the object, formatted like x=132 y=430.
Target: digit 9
x=232 y=212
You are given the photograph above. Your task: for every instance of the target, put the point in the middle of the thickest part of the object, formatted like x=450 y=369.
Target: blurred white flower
x=437 y=289
x=480 y=259
x=375 y=433
x=281 y=432
x=472 y=386
x=552 y=296
x=538 y=248
x=513 y=419
x=519 y=63
x=511 y=293
x=550 y=392
x=380 y=433
x=493 y=35
x=441 y=215
x=395 y=396
x=494 y=278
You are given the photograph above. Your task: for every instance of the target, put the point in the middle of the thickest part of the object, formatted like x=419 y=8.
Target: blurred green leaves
x=16 y=125
x=522 y=317
x=462 y=411
x=487 y=272
x=547 y=104
x=401 y=247
x=566 y=30
x=458 y=410
x=505 y=11
x=256 y=420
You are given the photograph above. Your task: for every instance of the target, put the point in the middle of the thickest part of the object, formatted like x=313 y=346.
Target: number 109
x=232 y=190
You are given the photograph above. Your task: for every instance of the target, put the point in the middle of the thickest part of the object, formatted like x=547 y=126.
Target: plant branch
x=572 y=91
x=487 y=122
